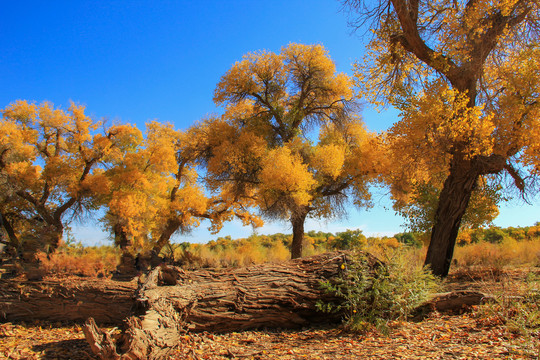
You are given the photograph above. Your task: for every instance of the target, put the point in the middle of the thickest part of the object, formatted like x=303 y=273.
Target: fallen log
x=451 y=302
x=71 y=299
x=172 y=301
x=458 y=300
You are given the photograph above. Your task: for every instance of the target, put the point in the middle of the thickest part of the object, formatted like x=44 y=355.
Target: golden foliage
x=258 y=152
x=328 y=160
x=149 y=187
x=50 y=163
x=284 y=175
x=465 y=78
x=285 y=92
x=442 y=121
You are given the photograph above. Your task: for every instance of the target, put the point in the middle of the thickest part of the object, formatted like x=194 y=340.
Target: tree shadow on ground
x=77 y=349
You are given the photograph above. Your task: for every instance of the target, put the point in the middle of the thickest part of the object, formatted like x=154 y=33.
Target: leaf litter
x=437 y=337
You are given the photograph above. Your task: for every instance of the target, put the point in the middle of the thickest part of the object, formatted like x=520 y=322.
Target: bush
x=348 y=240
x=373 y=296
x=494 y=235
x=409 y=238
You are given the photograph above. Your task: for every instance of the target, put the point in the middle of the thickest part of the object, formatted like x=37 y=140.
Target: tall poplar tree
x=465 y=77
x=50 y=160
x=265 y=151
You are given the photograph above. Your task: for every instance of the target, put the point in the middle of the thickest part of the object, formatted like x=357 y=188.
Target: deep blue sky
x=134 y=61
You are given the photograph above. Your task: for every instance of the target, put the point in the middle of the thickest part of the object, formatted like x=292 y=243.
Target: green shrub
x=409 y=238
x=373 y=296
x=494 y=235
x=348 y=240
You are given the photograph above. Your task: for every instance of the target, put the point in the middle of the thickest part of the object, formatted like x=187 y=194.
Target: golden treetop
x=288 y=92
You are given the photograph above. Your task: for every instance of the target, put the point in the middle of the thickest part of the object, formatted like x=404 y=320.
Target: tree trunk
x=52 y=236
x=127 y=262
x=11 y=244
x=297 y=221
x=120 y=237
x=451 y=302
x=453 y=202
x=172 y=301
x=150 y=259
x=172 y=225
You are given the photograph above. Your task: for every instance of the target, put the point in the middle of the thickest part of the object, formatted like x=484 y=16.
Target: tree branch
x=410 y=39
x=518 y=180
x=497 y=23
x=57 y=215
x=39 y=207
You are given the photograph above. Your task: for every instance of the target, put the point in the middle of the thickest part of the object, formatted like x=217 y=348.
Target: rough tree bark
x=453 y=203
x=172 y=301
x=297 y=245
x=66 y=299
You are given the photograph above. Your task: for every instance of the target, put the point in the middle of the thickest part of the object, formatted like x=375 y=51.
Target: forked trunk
x=297 y=221
x=171 y=227
x=453 y=202
x=150 y=259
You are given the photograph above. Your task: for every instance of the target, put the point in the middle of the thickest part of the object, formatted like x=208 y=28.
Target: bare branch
x=518 y=180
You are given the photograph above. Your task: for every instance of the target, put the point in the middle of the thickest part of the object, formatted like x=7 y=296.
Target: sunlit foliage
x=465 y=77
x=50 y=163
x=264 y=150
x=154 y=192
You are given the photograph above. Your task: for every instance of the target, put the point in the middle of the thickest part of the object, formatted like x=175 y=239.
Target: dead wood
x=71 y=299
x=454 y=301
x=172 y=301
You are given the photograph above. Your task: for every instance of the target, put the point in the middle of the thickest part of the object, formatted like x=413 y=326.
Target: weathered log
x=66 y=299
x=458 y=300
x=454 y=301
x=172 y=301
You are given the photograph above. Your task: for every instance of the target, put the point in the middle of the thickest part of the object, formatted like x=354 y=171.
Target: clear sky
x=134 y=61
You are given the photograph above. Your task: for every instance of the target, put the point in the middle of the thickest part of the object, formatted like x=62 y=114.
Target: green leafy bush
x=409 y=238
x=494 y=235
x=371 y=296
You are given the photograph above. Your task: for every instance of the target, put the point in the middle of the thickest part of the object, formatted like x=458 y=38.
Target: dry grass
x=226 y=252
x=91 y=261
x=242 y=253
x=509 y=252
